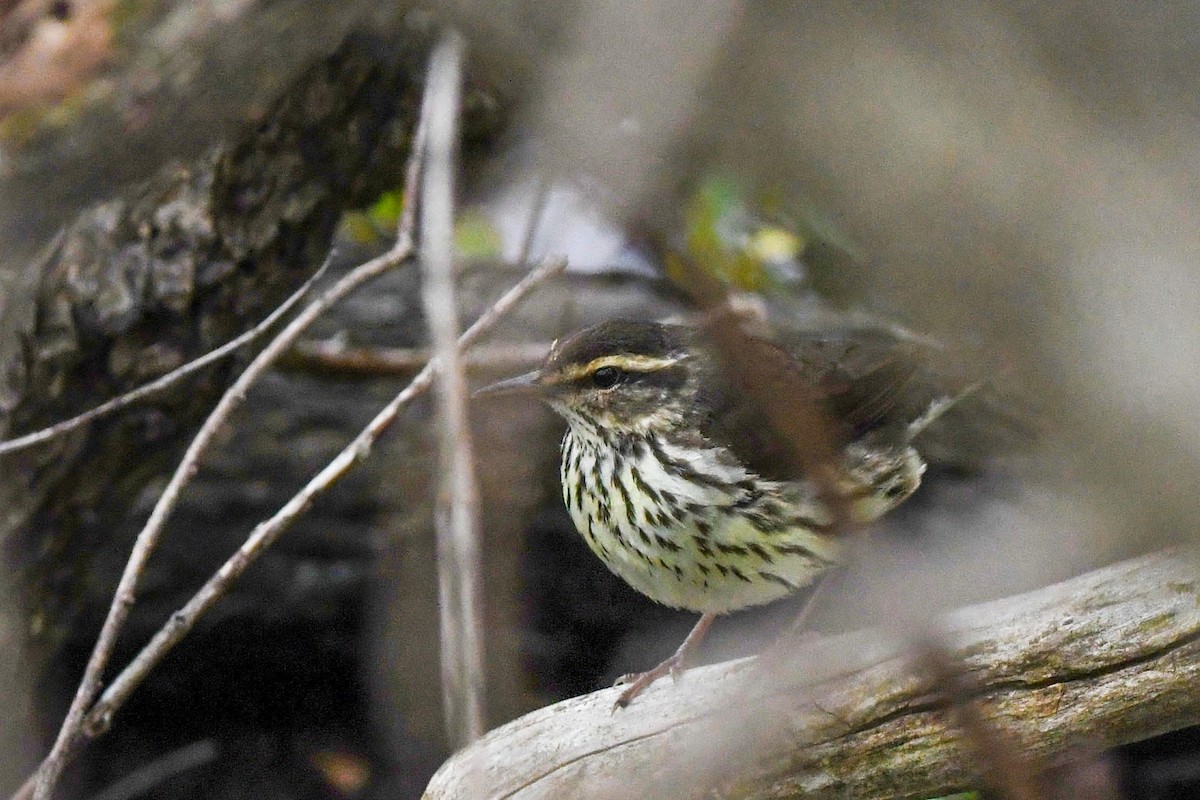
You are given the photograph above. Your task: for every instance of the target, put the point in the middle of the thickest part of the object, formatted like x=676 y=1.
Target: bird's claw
x=636 y=682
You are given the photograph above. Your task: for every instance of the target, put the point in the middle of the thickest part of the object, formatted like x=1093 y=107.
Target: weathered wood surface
x=1105 y=658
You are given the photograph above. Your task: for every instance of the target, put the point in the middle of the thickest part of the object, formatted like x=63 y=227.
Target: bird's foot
x=635 y=682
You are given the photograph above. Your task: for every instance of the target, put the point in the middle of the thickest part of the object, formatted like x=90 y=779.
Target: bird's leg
x=635 y=682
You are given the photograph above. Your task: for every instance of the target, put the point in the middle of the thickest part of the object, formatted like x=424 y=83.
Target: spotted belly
x=690 y=530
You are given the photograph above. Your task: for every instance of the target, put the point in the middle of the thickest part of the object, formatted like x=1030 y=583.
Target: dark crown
x=619 y=337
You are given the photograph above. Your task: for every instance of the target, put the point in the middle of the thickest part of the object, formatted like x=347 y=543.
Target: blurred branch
x=333 y=356
x=788 y=403
x=1001 y=761
x=1108 y=658
x=456 y=515
x=800 y=422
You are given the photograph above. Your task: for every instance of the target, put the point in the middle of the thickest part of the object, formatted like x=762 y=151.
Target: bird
x=676 y=481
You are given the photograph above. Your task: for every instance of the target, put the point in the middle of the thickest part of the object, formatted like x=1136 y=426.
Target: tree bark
x=1107 y=658
x=149 y=279
x=143 y=282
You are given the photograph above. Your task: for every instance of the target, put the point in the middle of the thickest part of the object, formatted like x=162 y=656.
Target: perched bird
x=675 y=479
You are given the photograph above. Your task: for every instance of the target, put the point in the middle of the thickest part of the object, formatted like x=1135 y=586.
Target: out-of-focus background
x=1015 y=180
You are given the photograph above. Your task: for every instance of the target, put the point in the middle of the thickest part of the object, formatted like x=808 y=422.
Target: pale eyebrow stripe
x=628 y=363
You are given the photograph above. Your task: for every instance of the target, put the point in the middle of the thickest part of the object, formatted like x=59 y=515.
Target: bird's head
x=616 y=377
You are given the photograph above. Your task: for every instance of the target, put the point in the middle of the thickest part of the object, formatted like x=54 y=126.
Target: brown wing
x=866 y=381
x=879 y=381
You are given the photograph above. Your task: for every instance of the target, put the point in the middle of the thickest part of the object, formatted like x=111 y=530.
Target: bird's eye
x=606 y=377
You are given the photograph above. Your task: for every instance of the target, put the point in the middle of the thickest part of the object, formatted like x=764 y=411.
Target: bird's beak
x=527 y=384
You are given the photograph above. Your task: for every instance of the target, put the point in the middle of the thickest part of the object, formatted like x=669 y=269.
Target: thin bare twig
x=71 y=734
x=456 y=514
x=541 y=199
x=267 y=532
x=172 y=377
x=148 y=538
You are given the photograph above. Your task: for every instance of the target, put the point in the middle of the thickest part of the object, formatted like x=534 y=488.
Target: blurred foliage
x=755 y=240
x=723 y=236
x=475 y=236
x=385 y=212
x=376 y=222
